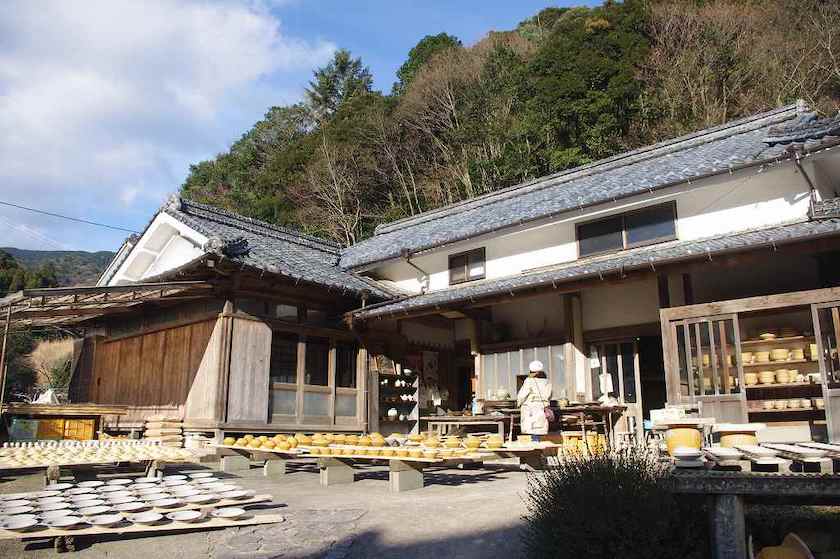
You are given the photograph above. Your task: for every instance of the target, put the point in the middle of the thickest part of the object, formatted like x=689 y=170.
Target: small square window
x=467 y=266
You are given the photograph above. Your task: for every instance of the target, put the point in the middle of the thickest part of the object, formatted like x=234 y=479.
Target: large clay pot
x=688 y=437
x=731 y=440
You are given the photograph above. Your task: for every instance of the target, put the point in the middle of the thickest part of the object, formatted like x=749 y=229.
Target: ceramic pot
x=751 y=379
x=688 y=437
x=780 y=354
x=782 y=376
x=767 y=377
x=767 y=404
x=794 y=403
x=747 y=357
x=780 y=404
x=761 y=357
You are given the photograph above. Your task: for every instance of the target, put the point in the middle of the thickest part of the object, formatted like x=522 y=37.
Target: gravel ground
x=460 y=514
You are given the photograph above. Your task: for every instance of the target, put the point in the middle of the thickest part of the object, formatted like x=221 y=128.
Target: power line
x=76 y=219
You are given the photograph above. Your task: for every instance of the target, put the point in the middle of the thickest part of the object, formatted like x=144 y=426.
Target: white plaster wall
x=724 y=204
x=425 y=334
x=165 y=245
x=634 y=302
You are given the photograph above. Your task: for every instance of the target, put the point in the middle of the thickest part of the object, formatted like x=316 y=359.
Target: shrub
x=616 y=504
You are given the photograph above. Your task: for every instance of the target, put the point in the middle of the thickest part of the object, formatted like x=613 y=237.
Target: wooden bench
x=237 y=458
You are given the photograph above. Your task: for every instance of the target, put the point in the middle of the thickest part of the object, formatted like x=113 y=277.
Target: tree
x=418 y=56
x=337 y=82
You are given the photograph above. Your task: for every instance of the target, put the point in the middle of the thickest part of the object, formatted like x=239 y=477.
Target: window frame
x=625 y=245
x=466 y=255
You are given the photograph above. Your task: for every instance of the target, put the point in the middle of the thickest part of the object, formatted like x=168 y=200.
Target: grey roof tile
x=747 y=141
x=272 y=248
x=605 y=265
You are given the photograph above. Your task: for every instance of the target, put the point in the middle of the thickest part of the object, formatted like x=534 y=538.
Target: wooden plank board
x=363 y=458
x=176 y=366
x=165 y=526
x=217 y=505
x=291 y=453
x=151 y=378
x=250 y=352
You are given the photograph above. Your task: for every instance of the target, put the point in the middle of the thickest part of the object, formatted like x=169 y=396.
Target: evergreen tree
x=335 y=83
x=420 y=55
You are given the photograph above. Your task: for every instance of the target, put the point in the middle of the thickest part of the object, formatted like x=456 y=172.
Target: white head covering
x=536 y=367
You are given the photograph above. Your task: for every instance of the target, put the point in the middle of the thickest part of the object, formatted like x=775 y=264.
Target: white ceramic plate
x=144 y=517
x=110 y=489
x=13 y=496
x=53 y=514
x=56 y=506
x=239 y=494
x=47 y=494
x=686 y=453
x=17 y=503
x=122 y=500
x=118 y=495
x=119 y=481
x=206 y=480
x=175 y=477
x=19 y=524
x=105 y=519
x=169 y=503
x=143 y=486
x=60 y=486
x=175 y=482
x=185 y=516
x=65 y=522
x=93 y=483
x=18 y=510
x=80 y=490
x=89 y=503
x=203 y=498
x=185 y=492
x=228 y=512
x=221 y=487
x=132 y=506
x=94 y=511
x=146 y=480
x=201 y=475
x=50 y=501
x=154 y=497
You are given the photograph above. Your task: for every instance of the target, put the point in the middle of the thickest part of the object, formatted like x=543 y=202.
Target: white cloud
x=97 y=97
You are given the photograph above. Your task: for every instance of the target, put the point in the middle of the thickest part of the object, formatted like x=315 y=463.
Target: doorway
x=652 y=374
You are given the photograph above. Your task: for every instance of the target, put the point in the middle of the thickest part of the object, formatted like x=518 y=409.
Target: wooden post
x=3 y=367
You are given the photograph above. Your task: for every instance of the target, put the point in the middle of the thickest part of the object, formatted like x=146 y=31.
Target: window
x=345 y=366
x=284 y=348
x=466 y=266
x=639 y=228
x=288 y=313
x=317 y=361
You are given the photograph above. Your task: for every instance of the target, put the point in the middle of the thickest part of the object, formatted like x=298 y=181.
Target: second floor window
x=466 y=266
x=643 y=227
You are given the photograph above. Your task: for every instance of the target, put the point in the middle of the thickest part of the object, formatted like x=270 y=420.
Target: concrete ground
x=460 y=514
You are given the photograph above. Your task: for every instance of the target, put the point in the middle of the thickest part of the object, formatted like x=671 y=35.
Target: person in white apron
x=533 y=398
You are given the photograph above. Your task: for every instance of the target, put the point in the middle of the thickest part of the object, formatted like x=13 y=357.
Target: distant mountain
x=73 y=267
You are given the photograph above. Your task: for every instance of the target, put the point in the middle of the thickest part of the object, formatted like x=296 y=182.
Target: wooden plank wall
x=203 y=385
x=152 y=372
x=250 y=356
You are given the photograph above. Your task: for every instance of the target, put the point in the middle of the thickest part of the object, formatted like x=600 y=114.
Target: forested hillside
x=566 y=87
x=69 y=267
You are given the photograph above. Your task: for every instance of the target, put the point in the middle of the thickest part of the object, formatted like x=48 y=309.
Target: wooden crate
x=50 y=429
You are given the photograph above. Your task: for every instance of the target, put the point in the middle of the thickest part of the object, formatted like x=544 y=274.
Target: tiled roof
x=274 y=249
x=608 y=265
x=716 y=150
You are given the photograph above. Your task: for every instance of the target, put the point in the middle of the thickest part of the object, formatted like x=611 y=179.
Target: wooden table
x=530 y=455
x=96 y=412
x=404 y=473
x=608 y=417
x=442 y=424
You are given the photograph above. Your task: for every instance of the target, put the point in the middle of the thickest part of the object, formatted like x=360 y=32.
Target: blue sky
x=104 y=104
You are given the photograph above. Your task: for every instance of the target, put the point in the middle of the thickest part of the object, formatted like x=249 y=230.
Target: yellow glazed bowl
x=782 y=376
x=688 y=437
x=767 y=377
x=747 y=357
x=472 y=442
x=387 y=452
x=415 y=453
x=401 y=452
x=751 y=378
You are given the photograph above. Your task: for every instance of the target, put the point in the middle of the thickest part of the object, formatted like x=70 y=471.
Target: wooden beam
x=3 y=354
x=763 y=302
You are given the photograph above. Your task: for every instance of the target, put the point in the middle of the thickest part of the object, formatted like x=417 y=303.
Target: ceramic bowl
x=146 y=480
x=220 y=487
x=57 y=506
x=805 y=403
x=94 y=510
x=65 y=522
x=118 y=495
x=782 y=376
x=88 y=503
x=185 y=516
x=80 y=490
x=767 y=336
x=105 y=519
x=17 y=503
x=53 y=514
x=238 y=494
x=145 y=517
x=150 y=491
x=780 y=404
x=780 y=354
x=819 y=403
x=206 y=480
x=149 y=497
x=767 y=404
x=19 y=524
x=201 y=475
x=203 y=498
x=794 y=403
x=185 y=492
x=18 y=510
x=175 y=482
x=168 y=503
x=761 y=357
x=747 y=357
x=50 y=501
x=46 y=494
x=231 y=513
x=174 y=477
x=767 y=377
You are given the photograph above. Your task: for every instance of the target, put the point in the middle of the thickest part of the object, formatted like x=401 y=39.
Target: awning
x=70 y=306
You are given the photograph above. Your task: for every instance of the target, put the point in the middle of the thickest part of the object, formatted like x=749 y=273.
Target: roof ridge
x=296 y=236
x=658 y=149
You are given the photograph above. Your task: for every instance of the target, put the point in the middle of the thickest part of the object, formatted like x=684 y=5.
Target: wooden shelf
x=782 y=385
x=778 y=364
x=788 y=411
x=776 y=341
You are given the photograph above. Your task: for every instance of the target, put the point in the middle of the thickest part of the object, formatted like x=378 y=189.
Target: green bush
x=611 y=505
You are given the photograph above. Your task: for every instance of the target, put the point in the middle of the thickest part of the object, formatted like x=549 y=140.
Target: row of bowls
x=778 y=354
x=31 y=522
x=60 y=504
x=780 y=376
x=793 y=403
